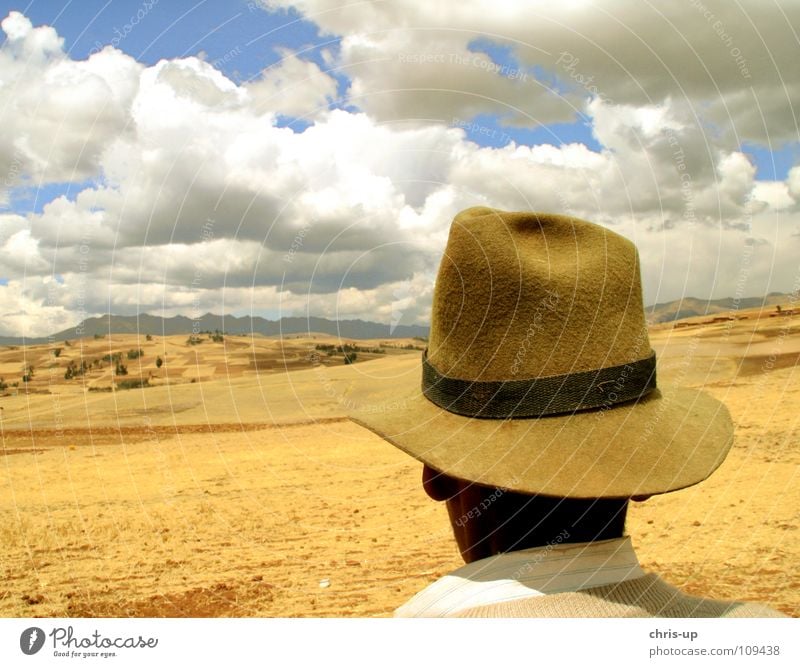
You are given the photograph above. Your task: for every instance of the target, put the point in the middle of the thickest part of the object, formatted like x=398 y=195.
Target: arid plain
x=234 y=485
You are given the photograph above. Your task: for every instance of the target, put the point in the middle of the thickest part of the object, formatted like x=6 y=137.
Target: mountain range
x=356 y=329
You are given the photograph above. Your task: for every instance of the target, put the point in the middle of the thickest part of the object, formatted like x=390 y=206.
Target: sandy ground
x=248 y=493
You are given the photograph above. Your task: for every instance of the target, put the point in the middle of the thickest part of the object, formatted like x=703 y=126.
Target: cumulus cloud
x=199 y=200
x=733 y=64
x=293 y=87
x=58 y=115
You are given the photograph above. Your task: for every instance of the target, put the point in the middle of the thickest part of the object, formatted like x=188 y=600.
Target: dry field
x=248 y=493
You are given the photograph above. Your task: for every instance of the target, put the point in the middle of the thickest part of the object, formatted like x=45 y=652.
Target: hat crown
x=529 y=295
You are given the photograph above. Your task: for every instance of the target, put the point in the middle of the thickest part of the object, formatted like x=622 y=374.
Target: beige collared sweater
x=644 y=597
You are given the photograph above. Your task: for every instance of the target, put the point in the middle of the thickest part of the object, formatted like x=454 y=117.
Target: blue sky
x=178 y=28
x=647 y=120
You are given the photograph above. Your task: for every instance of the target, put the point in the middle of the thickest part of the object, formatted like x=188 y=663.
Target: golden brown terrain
x=246 y=492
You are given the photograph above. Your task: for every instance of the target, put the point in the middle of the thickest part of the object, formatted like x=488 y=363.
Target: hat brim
x=671 y=439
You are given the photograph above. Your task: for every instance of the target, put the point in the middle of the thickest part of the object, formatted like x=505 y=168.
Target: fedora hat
x=538 y=375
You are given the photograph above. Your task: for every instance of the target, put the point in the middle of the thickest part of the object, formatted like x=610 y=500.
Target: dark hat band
x=538 y=397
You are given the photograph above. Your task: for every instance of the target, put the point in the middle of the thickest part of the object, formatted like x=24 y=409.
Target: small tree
x=120 y=369
x=159 y=362
x=148 y=337
x=27 y=374
x=57 y=352
x=350 y=357
x=3 y=384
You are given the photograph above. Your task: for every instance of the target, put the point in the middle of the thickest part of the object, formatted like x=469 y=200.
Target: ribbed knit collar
x=555 y=568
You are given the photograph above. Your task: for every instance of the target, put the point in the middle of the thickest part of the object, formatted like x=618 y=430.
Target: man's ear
x=438 y=485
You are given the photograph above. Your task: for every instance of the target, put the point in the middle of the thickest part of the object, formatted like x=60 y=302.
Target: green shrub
x=133 y=383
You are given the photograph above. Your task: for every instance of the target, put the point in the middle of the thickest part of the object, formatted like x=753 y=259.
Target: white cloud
x=58 y=114
x=293 y=87
x=204 y=201
x=30 y=308
x=731 y=64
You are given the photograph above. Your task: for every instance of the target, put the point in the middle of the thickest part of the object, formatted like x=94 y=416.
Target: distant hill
x=692 y=307
x=229 y=324
x=356 y=329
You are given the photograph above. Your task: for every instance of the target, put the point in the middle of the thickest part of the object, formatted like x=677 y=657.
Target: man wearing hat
x=538 y=417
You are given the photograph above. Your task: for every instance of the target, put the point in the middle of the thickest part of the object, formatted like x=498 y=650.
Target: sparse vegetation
x=57 y=352
x=350 y=357
x=217 y=336
x=113 y=358
x=135 y=354
x=159 y=362
x=148 y=337
x=120 y=369
x=99 y=336
x=194 y=340
x=347 y=347
x=73 y=370
x=3 y=384
x=27 y=374
x=133 y=383
x=101 y=388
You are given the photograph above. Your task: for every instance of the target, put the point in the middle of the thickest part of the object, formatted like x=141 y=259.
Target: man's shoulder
x=644 y=597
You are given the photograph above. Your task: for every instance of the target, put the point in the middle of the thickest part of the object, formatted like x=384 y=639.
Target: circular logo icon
x=31 y=640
